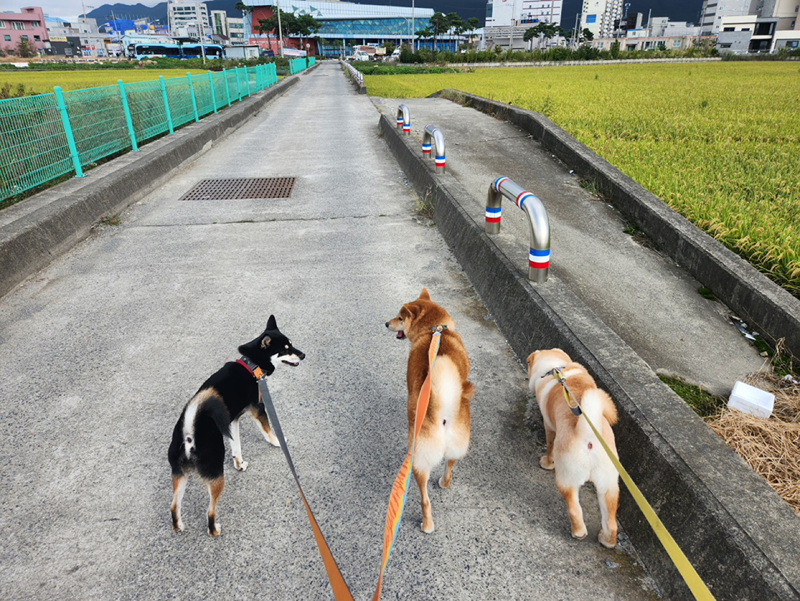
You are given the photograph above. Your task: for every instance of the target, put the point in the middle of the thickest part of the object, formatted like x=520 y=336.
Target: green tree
x=438 y=24
x=586 y=36
x=615 y=50
x=305 y=26
x=24 y=49
x=542 y=31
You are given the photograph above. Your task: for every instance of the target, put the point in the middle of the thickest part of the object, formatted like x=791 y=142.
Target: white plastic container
x=750 y=399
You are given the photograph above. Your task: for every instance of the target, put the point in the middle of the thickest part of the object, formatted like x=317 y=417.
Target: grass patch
x=426 y=206
x=706 y=293
x=703 y=402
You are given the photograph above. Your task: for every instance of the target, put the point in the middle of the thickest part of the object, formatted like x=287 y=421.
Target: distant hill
x=676 y=10
x=154 y=13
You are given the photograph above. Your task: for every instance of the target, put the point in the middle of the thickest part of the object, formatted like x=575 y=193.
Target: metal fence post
x=194 y=100
x=247 y=80
x=128 y=119
x=238 y=87
x=73 y=149
x=213 y=95
x=227 y=89
x=166 y=104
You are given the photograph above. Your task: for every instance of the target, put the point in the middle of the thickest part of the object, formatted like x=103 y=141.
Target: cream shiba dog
x=572 y=448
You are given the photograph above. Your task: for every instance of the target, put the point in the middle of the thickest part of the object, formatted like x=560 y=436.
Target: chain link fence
x=47 y=136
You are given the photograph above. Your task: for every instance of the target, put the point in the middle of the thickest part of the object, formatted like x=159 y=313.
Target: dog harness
x=254 y=369
x=571 y=402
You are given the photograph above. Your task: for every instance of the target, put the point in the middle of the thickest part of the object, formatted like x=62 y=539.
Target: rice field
x=42 y=82
x=719 y=142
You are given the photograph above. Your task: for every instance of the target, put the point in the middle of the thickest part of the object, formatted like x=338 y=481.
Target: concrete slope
x=102 y=348
x=642 y=295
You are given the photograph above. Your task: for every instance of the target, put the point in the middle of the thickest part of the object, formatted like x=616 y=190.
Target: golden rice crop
x=42 y=82
x=719 y=142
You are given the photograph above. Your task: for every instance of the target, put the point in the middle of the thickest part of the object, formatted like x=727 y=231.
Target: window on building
x=676 y=44
x=37 y=38
x=35 y=24
x=18 y=25
x=728 y=29
x=3 y=25
x=764 y=28
x=7 y=38
x=24 y=38
x=591 y=18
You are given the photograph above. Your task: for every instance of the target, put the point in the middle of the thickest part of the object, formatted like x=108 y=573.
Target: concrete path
x=641 y=294
x=101 y=350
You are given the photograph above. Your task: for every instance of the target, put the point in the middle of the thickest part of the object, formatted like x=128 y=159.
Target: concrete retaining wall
x=753 y=296
x=736 y=531
x=42 y=227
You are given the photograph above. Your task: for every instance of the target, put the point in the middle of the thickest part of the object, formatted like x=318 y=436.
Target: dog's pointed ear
x=408 y=311
x=424 y=294
x=271 y=323
x=265 y=341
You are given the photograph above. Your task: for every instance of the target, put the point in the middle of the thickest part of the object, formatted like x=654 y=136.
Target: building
x=25 y=26
x=601 y=17
x=228 y=28
x=754 y=34
x=188 y=18
x=345 y=23
x=93 y=44
x=507 y=20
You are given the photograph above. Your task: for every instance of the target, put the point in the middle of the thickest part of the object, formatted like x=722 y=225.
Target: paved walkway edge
x=736 y=531
x=67 y=212
x=756 y=298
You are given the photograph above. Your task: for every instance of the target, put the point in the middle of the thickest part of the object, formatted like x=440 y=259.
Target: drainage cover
x=233 y=189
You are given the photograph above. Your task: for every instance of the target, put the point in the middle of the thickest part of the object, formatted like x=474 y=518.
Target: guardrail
x=539 y=256
x=404 y=119
x=354 y=73
x=47 y=136
x=435 y=134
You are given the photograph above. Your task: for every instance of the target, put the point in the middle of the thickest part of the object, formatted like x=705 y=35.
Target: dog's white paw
x=607 y=540
x=442 y=483
x=178 y=527
x=272 y=439
x=546 y=463
x=580 y=534
x=429 y=530
x=217 y=530
x=240 y=464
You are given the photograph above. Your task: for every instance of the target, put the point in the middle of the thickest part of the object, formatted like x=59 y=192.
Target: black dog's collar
x=252 y=367
x=434 y=328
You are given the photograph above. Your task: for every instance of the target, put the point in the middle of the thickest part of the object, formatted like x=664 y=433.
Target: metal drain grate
x=234 y=189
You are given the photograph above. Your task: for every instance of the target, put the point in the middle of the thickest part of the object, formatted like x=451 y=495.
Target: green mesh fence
x=40 y=142
x=180 y=100
x=98 y=122
x=146 y=104
x=33 y=145
x=202 y=94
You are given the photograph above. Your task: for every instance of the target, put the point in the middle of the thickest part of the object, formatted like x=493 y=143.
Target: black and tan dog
x=214 y=412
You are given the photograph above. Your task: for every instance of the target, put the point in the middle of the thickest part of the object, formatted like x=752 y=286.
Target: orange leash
x=340 y=590
x=397 y=499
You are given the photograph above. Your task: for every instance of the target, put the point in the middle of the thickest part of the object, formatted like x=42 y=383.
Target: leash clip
x=571 y=403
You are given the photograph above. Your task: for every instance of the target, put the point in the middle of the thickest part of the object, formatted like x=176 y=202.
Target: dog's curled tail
x=596 y=403
x=467 y=392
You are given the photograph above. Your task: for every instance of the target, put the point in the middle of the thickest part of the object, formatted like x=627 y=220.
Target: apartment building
x=231 y=28
x=27 y=25
x=507 y=20
x=185 y=17
x=601 y=16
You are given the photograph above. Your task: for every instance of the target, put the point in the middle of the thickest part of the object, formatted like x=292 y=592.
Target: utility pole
x=280 y=31
x=413 y=31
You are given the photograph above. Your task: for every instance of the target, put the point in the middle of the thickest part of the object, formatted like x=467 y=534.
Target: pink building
x=27 y=25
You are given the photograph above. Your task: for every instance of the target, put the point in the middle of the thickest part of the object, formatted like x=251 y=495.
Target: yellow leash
x=687 y=571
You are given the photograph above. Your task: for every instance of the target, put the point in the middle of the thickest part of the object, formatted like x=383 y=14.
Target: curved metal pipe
x=539 y=256
x=436 y=134
x=404 y=118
